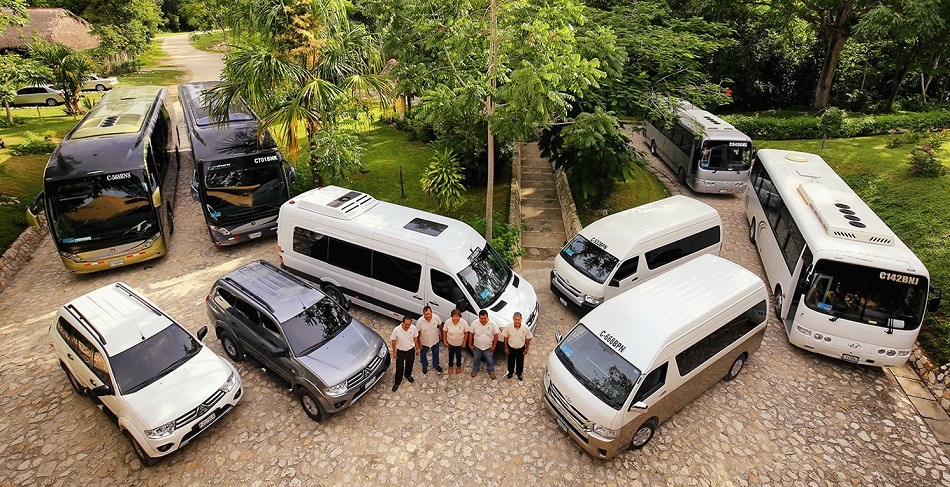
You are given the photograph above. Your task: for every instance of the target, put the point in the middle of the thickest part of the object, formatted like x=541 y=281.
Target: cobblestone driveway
x=791 y=418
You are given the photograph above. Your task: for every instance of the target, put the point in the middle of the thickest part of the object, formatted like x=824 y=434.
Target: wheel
x=51 y=102
x=334 y=293
x=100 y=87
x=736 y=367
x=681 y=175
x=146 y=460
x=231 y=347
x=653 y=148
x=752 y=232
x=643 y=435
x=311 y=406
x=778 y=302
x=72 y=381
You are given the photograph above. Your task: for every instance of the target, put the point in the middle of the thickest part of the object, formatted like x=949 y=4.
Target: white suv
x=160 y=384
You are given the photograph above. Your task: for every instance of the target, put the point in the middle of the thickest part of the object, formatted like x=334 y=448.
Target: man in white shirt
x=484 y=339
x=405 y=341
x=430 y=335
x=517 y=340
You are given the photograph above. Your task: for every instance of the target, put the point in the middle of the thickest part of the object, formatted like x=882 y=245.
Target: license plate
x=116 y=263
x=562 y=424
x=849 y=358
x=562 y=301
x=207 y=421
x=254 y=235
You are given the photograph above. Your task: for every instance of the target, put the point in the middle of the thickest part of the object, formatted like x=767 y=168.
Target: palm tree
x=68 y=67
x=300 y=64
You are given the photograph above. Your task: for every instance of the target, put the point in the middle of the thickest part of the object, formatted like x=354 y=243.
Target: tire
x=643 y=435
x=336 y=295
x=51 y=102
x=72 y=380
x=653 y=148
x=231 y=347
x=146 y=460
x=100 y=87
x=311 y=406
x=752 y=232
x=681 y=176
x=736 y=367
x=778 y=302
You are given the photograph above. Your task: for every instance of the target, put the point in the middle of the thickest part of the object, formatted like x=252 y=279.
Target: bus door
x=160 y=190
x=801 y=277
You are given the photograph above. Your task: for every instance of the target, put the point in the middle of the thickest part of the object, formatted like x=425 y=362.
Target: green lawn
x=917 y=209
x=207 y=41
x=641 y=189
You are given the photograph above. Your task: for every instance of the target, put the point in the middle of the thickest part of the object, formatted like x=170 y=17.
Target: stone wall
x=514 y=206
x=19 y=253
x=572 y=223
x=937 y=379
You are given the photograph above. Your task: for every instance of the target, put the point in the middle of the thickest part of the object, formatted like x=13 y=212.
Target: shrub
x=34 y=145
x=924 y=163
x=16 y=121
x=831 y=123
x=335 y=152
x=443 y=179
x=894 y=142
x=506 y=238
x=796 y=128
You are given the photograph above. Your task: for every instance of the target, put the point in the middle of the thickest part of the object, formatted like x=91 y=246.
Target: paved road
x=791 y=418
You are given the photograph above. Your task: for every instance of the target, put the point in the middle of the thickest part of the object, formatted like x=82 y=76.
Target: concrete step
x=540 y=253
x=538 y=192
x=537 y=178
x=540 y=203
x=535 y=266
x=530 y=213
x=541 y=239
x=547 y=226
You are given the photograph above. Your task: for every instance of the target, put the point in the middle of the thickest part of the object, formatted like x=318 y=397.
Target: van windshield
x=486 y=277
x=597 y=366
x=590 y=259
x=153 y=358
x=314 y=326
x=241 y=189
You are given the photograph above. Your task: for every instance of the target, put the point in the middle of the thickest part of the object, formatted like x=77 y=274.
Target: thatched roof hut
x=55 y=25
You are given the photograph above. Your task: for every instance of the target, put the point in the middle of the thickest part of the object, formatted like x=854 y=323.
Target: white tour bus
x=628 y=248
x=707 y=153
x=395 y=260
x=864 y=292
x=638 y=358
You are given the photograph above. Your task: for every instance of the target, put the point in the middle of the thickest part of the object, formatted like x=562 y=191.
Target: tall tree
x=15 y=72
x=68 y=69
x=300 y=64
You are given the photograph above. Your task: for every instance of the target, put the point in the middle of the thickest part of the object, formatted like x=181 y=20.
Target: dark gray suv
x=329 y=358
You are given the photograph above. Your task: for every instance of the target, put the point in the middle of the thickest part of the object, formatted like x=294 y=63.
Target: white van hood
x=521 y=298
x=576 y=279
x=181 y=390
x=579 y=397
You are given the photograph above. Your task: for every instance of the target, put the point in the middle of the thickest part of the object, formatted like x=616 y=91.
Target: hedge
x=796 y=128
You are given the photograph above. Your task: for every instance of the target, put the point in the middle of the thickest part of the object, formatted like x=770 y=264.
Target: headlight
x=221 y=230
x=604 y=431
x=73 y=257
x=151 y=240
x=162 y=431
x=382 y=351
x=337 y=390
x=229 y=384
x=592 y=300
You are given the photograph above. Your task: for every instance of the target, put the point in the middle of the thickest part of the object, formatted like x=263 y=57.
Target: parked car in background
x=99 y=83
x=39 y=95
x=328 y=358
x=152 y=377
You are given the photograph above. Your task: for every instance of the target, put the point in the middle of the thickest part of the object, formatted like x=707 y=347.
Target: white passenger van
x=627 y=248
x=396 y=260
x=633 y=362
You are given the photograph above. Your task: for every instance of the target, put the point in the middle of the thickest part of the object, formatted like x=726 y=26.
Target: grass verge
x=641 y=189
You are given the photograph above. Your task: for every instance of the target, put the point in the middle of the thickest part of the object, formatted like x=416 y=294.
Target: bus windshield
x=486 y=277
x=240 y=189
x=597 y=366
x=726 y=155
x=867 y=295
x=108 y=209
x=591 y=260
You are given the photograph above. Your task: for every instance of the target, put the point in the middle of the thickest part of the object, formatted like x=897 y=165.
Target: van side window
x=67 y=332
x=84 y=349
x=270 y=332
x=681 y=248
x=397 y=272
x=311 y=244
x=224 y=299
x=627 y=269
x=445 y=287
x=100 y=368
x=719 y=340
x=247 y=310
x=651 y=383
x=351 y=257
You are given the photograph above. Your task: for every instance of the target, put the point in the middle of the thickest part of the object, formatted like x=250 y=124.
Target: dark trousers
x=515 y=360
x=404 y=361
x=455 y=352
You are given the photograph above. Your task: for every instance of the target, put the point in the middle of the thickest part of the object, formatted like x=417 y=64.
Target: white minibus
x=395 y=260
x=640 y=357
x=628 y=248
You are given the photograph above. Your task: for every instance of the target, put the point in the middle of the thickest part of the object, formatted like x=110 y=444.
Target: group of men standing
x=481 y=338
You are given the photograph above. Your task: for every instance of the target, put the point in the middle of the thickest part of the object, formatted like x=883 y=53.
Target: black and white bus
x=240 y=179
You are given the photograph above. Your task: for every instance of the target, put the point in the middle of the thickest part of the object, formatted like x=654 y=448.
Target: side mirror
x=291 y=174
x=278 y=352
x=34 y=210
x=157 y=198
x=103 y=390
x=642 y=406
x=462 y=305
x=202 y=332
x=558 y=336
x=936 y=294
x=194 y=187
x=614 y=282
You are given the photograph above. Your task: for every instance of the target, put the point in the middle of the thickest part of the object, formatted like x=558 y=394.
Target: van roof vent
x=850 y=220
x=109 y=121
x=337 y=202
x=427 y=227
